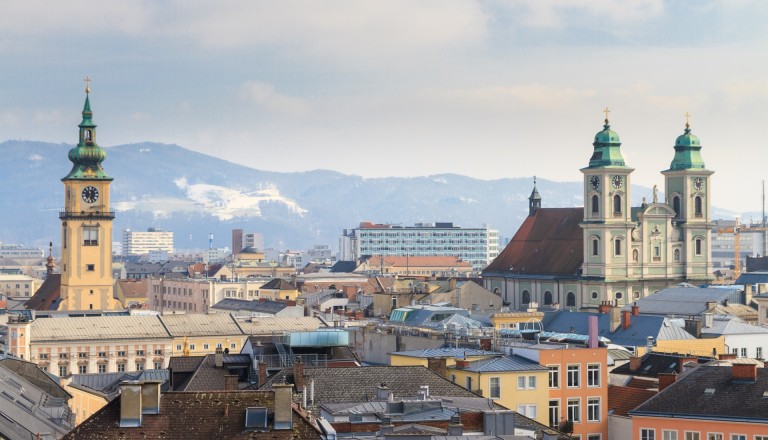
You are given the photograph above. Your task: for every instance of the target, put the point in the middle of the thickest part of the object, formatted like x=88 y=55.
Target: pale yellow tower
x=86 y=226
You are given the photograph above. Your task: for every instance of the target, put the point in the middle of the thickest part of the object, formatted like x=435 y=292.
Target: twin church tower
x=609 y=250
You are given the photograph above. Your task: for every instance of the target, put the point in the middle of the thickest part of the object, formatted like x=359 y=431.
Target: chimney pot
x=666 y=379
x=219 y=357
x=634 y=363
x=626 y=319
x=635 y=309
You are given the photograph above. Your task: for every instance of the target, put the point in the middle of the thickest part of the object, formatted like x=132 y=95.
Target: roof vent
x=709 y=392
x=256 y=419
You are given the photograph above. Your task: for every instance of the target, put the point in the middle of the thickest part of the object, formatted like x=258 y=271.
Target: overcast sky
x=488 y=89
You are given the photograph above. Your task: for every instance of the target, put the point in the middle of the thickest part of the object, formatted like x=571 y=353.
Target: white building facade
x=142 y=243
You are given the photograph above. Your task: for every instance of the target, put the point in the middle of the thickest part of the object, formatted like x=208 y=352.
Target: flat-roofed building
x=17 y=286
x=143 y=242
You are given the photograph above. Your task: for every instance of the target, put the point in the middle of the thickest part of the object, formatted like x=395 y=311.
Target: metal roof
x=723 y=325
x=269 y=325
x=445 y=352
x=97 y=327
x=684 y=301
x=753 y=278
x=219 y=324
x=502 y=363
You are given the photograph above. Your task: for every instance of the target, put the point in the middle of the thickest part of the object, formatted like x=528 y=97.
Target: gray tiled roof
x=684 y=301
x=727 y=399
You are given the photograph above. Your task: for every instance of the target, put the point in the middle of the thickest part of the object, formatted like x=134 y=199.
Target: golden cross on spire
x=606 y=111
x=687 y=117
x=87 y=84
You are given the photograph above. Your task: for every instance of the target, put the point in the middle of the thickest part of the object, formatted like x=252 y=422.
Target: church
x=608 y=250
x=85 y=279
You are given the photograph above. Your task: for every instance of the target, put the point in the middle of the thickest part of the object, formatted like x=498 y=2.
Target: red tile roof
x=47 y=295
x=550 y=242
x=622 y=400
x=643 y=384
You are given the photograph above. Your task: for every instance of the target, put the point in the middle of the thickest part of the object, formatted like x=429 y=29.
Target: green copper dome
x=607 y=152
x=687 y=152
x=87 y=156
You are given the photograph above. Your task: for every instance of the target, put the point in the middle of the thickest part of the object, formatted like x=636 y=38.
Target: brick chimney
x=726 y=356
x=684 y=360
x=230 y=382
x=666 y=379
x=604 y=307
x=745 y=372
x=298 y=374
x=485 y=344
x=635 y=309
x=634 y=363
x=438 y=366
x=462 y=364
x=626 y=319
x=262 y=373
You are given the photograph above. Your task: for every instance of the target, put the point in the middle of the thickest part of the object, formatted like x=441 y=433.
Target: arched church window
x=617 y=247
x=526 y=297
x=595 y=205
x=635 y=255
x=677 y=255
x=547 y=298
x=570 y=300
x=595 y=247
x=616 y=205
x=697 y=209
x=698 y=246
x=676 y=205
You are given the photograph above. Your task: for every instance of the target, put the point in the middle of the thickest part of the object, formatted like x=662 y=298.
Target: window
x=573 y=376
x=219 y=345
x=62 y=355
x=526 y=297
x=469 y=383
x=121 y=353
x=495 y=387
x=178 y=347
x=158 y=352
x=554 y=376
x=744 y=352
x=757 y=437
x=191 y=346
x=62 y=370
x=547 y=298
x=139 y=366
x=714 y=436
x=570 y=300
x=121 y=368
x=574 y=414
x=698 y=246
x=102 y=354
x=689 y=435
x=532 y=382
x=618 y=295
x=616 y=205
x=521 y=383
x=595 y=206
x=593 y=409
x=594 y=295
x=90 y=236
x=738 y=437
x=697 y=209
x=43 y=355
x=617 y=247
x=205 y=346
x=233 y=345
x=554 y=413
x=527 y=410
x=102 y=368
x=594 y=437
x=676 y=205
x=82 y=369
x=593 y=375
x=139 y=352
x=453 y=378
x=158 y=365
x=668 y=434
x=635 y=255
x=82 y=355
x=595 y=247
x=759 y=355
x=90 y=268
x=647 y=434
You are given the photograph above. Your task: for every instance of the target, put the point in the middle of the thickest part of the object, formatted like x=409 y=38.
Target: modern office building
x=142 y=243
x=242 y=240
x=478 y=246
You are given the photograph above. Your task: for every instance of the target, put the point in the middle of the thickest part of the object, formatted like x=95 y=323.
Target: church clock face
x=594 y=182
x=90 y=194
x=698 y=183
x=617 y=181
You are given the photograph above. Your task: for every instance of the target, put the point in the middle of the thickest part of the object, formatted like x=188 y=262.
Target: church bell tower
x=86 y=225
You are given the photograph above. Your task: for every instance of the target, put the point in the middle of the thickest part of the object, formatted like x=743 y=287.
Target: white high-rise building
x=141 y=243
x=477 y=246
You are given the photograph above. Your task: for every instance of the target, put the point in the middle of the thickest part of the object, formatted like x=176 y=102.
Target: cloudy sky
x=489 y=89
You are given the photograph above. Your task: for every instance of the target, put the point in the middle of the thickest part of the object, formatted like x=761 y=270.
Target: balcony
x=82 y=215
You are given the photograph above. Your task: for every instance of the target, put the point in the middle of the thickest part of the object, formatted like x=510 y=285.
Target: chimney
x=454 y=426
x=382 y=392
x=711 y=304
x=424 y=389
x=230 y=382
x=485 y=344
x=298 y=373
x=708 y=319
x=262 y=373
x=666 y=379
x=684 y=360
x=604 y=307
x=219 y=357
x=438 y=366
x=593 y=338
x=635 y=309
x=130 y=404
x=452 y=283
x=693 y=326
x=150 y=396
x=462 y=364
x=386 y=426
x=626 y=319
x=634 y=363
x=744 y=372
x=283 y=409
x=726 y=356
x=615 y=316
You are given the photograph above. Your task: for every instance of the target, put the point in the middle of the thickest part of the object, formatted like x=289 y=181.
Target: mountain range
x=193 y=194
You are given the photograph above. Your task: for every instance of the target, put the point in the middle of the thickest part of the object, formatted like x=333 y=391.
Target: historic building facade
x=609 y=250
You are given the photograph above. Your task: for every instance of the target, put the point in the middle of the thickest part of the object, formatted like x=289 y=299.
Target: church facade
x=609 y=250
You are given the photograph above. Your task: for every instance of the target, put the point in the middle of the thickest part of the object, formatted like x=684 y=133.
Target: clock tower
x=86 y=225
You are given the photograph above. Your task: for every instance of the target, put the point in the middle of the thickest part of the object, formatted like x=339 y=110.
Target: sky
x=489 y=89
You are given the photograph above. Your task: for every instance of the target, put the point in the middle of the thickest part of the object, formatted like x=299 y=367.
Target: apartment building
x=142 y=243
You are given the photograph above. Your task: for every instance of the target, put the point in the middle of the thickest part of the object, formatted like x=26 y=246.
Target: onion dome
x=687 y=151
x=607 y=152
x=87 y=156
